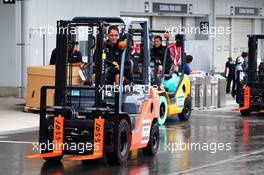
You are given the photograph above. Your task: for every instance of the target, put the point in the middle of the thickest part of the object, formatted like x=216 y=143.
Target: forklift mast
x=64 y=37
x=61 y=62
x=252 y=57
x=63 y=75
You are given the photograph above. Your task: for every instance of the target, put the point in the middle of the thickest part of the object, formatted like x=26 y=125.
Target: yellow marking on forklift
x=103 y=55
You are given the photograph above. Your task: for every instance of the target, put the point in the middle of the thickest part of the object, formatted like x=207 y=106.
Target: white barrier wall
x=8 y=62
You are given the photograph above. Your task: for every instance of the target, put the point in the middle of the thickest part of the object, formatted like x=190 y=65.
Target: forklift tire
x=245 y=112
x=187 y=110
x=120 y=154
x=163 y=110
x=56 y=159
x=153 y=144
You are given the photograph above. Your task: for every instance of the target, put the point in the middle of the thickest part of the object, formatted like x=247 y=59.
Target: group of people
x=113 y=54
x=232 y=67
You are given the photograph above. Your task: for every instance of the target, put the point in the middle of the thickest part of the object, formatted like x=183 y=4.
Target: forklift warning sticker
x=146 y=125
x=180 y=99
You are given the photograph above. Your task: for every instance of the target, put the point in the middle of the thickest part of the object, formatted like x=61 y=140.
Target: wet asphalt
x=211 y=142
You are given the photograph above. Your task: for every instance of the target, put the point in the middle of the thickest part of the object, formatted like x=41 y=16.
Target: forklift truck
x=250 y=82
x=112 y=122
x=174 y=100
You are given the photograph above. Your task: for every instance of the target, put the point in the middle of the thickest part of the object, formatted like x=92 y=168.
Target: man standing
x=230 y=74
x=245 y=57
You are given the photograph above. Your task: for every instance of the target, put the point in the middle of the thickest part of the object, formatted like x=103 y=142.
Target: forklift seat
x=171 y=84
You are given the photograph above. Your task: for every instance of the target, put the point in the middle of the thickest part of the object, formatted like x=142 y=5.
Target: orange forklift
x=250 y=82
x=112 y=123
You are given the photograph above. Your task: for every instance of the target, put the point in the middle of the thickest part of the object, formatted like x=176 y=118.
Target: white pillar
x=212 y=23
x=24 y=44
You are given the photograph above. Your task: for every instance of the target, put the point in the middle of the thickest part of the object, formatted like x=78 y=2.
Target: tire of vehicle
x=154 y=138
x=122 y=145
x=56 y=159
x=163 y=110
x=245 y=112
x=187 y=110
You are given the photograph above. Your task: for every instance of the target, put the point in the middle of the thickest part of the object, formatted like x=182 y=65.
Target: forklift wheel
x=163 y=110
x=122 y=145
x=245 y=112
x=153 y=144
x=186 y=112
x=56 y=159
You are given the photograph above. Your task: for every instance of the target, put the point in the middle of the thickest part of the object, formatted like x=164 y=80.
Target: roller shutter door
x=222 y=45
x=241 y=28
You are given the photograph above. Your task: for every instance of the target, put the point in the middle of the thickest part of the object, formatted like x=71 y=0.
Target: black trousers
x=230 y=79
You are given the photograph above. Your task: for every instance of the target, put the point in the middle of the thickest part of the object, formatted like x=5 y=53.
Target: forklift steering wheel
x=109 y=63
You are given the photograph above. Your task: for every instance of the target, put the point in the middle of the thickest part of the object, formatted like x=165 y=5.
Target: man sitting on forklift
x=76 y=55
x=113 y=53
x=187 y=68
x=157 y=54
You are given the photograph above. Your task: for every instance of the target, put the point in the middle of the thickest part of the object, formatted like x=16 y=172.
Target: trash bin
x=221 y=101
x=199 y=92
x=193 y=84
x=207 y=92
x=214 y=88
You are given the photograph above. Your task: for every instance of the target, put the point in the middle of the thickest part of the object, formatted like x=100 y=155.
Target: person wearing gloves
x=239 y=68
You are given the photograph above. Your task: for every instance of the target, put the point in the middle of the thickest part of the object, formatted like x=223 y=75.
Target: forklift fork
x=57 y=140
x=98 y=142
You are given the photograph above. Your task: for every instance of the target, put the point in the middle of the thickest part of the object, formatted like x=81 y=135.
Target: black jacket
x=158 y=53
x=73 y=58
x=53 y=57
x=76 y=57
x=113 y=53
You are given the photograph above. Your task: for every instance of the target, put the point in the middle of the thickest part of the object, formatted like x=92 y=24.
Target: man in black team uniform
x=113 y=55
x=230 y=67
x=157 y=56
x=75 y=54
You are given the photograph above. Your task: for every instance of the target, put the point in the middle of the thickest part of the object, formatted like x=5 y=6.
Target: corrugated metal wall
x=43 y=12
x=223 y=45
